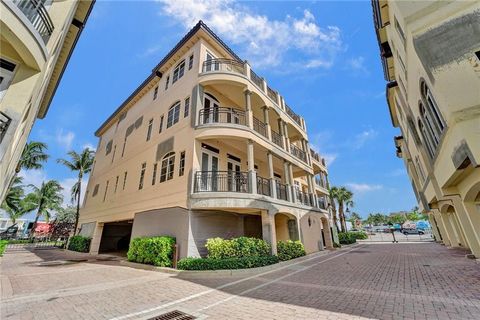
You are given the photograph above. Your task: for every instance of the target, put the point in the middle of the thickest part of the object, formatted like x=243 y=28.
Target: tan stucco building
x=37 y=38
x=204 y=148
x=431 y=59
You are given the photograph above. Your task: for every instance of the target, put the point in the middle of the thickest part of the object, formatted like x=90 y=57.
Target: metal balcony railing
x=222 y=115
x=295 y=117
x=224 y=65
x=281 y=191
x=298 y=153
x=303 y=198
x=272 y=94
x=263 y=186
x=314 y=155
x=259 y=127
x=37 y=15
x=257 y=80
x=4 y=124
x=277 y=139
x=221 y=181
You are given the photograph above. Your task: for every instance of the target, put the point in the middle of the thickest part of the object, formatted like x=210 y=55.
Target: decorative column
x=285 y=134
x=268 y=230
x=466 y=226
x=273 y=184
x=248 y=108
x=433 y=223
x=311 y=190
x=292 y=183
x=96 y=238
x=266 y=120
x=286 y=174
x=443 y=231
x=306 y=149
x=252 y=174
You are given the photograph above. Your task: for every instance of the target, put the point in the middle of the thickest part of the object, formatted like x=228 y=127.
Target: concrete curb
x=194 y=274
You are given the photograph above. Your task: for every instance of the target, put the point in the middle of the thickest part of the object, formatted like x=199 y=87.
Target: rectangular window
x=142 y=176
x=95 y=190
x=166 y=83
x=149 y=130
x=161 y=124
x=173 y=114
x=178 y=72
x=106 y=190
x=114 y=151
x=154 y=174
x=124 y=144
x=168 y=164
x=190 y=62
x=124 y=180
x=400 y=31
x=116 y=185
x=155 y=93
x=186 y=109
x=181 y=165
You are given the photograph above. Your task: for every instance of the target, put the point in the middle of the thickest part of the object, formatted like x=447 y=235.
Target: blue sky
x=321 y=56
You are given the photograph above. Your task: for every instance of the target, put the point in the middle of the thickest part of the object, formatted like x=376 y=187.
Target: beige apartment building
x=37 y=38
x=431 y=59
x=204 y=148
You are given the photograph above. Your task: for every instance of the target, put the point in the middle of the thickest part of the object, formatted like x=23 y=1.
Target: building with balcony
x=36 y=40
x=430 y=53
x=204 y=148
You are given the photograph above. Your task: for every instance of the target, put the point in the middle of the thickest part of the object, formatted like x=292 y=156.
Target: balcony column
x=246 y=68
x=266 y=120
x=248 y=108
x=311 y=190
x=273 y=185
x=292 y=183
x=286 y=174
x=268 y=230
x=285 y=135
x=307 y=151
x=252 y=174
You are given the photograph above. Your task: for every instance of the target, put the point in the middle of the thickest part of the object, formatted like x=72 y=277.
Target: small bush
x=241 y=247
x=3 y=245
x=152 y=250
x=359 y=235
x=346 y=238
x=79 y=244
x=224 y=264
x=289 y=249
x=337 y=245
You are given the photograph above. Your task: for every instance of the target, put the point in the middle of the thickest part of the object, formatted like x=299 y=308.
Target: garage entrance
x=116 y=237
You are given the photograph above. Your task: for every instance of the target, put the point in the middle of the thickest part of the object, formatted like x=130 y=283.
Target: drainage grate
x=173 y=315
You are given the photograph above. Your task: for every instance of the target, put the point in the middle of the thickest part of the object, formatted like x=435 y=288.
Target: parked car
x=9 y=233
x=412 y=231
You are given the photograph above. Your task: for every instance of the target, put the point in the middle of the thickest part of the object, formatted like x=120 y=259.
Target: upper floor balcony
x=37 y=14
x=244 y=70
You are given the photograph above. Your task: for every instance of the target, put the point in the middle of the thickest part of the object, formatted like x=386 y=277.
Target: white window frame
x=173 y=114
x=168 y=167
x=179 y=71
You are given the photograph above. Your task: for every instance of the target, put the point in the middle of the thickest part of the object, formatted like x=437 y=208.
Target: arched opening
x=327 y=233
x=286 y=227
x=452 y=226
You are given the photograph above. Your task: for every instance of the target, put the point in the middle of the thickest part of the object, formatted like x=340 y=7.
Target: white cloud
x=65 y=139
x=329 y=158
x=67 y=185
x=266 y=41
x=362 y=138
x=89 y=146
x=398 y=172
x=33 y=177
x=357 y=65
x=363 y=187
x=320 y=142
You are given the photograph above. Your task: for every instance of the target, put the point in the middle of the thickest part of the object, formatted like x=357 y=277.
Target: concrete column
x=436 y=234
x=248 y=108
x=465 y=223
x=266 y=120
x=286 y=138
x=96 y=238
x=286 y=174
x=458 y=230
x=271 y=175
x=292 y=183
x=268 y=230
x=252 y=174
x=306 y=148
x=327 y=233
x=311 y=190
x=447 y=222
x=441 y=226
x=246 y=68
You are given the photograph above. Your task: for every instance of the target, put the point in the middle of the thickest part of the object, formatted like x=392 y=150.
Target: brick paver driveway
x=386 y=281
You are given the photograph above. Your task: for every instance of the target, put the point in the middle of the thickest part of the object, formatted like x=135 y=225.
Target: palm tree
x=354 y=217
x=14 y=195
x=24 y=206
x=344 y=198
x=45 y=199
x=32 y=156
x=333 y=195
x=82 y=163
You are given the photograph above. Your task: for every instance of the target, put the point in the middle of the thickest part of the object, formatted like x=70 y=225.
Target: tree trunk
x=32 y=231
x=334 y=213
x=78 y=205
x=342 y=216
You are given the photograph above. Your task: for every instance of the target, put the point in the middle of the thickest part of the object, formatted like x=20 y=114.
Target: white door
x=209 y=176
x=211 y=65
x=210 y=110
x=235 y=178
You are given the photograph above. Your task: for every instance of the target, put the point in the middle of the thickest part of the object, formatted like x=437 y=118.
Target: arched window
x=168 y=166
x=431 y=111
x=427 y=140
x=173 y=114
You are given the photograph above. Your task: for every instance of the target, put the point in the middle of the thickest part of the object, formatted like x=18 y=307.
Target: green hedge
x=79 y=244
x=223 y=264
x=346 y=238
x=3 y=245
x=152 y=250
x=289 y=249
x=359 y=235
x=241 y=247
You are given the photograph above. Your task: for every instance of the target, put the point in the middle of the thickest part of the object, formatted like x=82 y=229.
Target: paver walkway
x=381 y=281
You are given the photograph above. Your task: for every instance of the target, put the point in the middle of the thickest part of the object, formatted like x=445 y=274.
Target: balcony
x=4 y=124
x=36 y=13
x=295 y=117
x=222 y=115
x=260 y=127
x=277 y=139
x=223 y=65
x=263 y=186
x=298 y=153
x=303 y=198
x=221 y=181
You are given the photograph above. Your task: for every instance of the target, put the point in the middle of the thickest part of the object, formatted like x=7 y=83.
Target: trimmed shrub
x=346 y=238
x=79 y=244
x=289 y=249
x=224 y=264
x=241 y=247
x=3 y=245
x=359 y=235
x=157 y=251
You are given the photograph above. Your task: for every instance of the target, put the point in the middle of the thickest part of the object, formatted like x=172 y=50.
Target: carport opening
x=116 y=237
